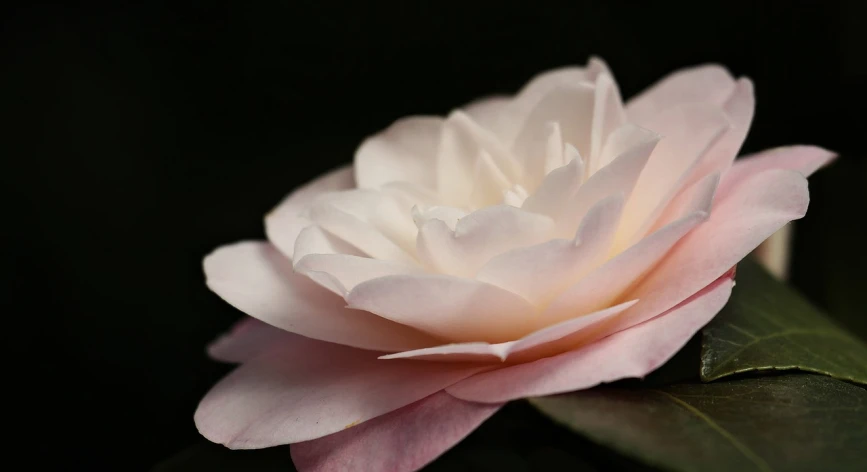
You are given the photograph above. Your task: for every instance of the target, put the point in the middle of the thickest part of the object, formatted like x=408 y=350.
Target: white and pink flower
x=522 y=246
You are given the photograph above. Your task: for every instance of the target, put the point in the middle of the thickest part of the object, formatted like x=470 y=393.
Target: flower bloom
x=521 y=246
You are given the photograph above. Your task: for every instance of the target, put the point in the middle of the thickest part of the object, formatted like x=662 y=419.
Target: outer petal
x=247 y=339
x=255 y=278
x=634 y=352
x=452 y=308
x=405 y=152
x=741 y=219
x=739 y=109
x=284 y=223
x=309 y=389
x=605 y=285
x=802 y=159
x=689 y=131
x=403 y=440
x=544 y=342
x=707 y=83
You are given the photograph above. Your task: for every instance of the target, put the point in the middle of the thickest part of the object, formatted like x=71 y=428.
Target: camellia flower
x=521 y=246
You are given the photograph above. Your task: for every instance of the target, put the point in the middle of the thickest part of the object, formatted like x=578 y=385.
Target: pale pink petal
x=741 y=219
x=247 y=339
x=608 y=115
x=478 y=237
x=617 y=178
x=366 y=236
x=802 y=159
x=401 y=441
x=542 y=343
x=570 y=106
x=538 y=272
x=492 y=113
x=697 y=197
x=540 y=150
x=605 y=285
x=349 y=271
x=324 y=259
x=542 y=85
x=706 y=83
x=739 y=109
x=258 y=280
x=446 y=214
x=453 y=308
x=553 y=195
x=308 y=389
x=285 y=221
x=404 y=152
x=688 y=131
x=461 y=144
x=634 y=352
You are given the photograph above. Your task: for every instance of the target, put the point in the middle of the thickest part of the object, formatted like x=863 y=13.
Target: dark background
x=139 y=137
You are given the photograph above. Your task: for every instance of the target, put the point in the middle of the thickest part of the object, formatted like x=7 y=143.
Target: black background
x=140 y=137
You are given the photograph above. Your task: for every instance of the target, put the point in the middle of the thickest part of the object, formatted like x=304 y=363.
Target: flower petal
x=453 y=308
x=689 y=132
x=634 y=352
x=478 y=237
x=608 y=115
x=702 y=84
x=258 y=280
x=545 y=342
x=603 y=286
x=285 y=221
x=542 y=85
x=743 y=216
x=540 y=271
x=404 y=152
x=739 y=109
x=636 y=146
x=568 y=105
x=403 y=440
x=462 y=142
x=308 y=389
x=357 y=224
x=492 y=113
x=247 y=339
x=802 y=159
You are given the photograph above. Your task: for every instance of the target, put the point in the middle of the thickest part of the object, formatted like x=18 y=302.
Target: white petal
x=603 y=286
x=452 y=308
x=702 y=84
x=539 y=272
x=283 y=224
x=571 y=106
x=689 y=131
x=478 y=237
x=617 y=178
x=608 y=115
x=541 y=343
x=258 y=280
x=405 y=151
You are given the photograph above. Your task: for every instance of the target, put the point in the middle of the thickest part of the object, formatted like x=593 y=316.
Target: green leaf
x=797 y=422
x=768 y=326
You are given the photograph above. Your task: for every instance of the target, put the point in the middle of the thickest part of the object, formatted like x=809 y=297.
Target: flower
x=522 y=246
